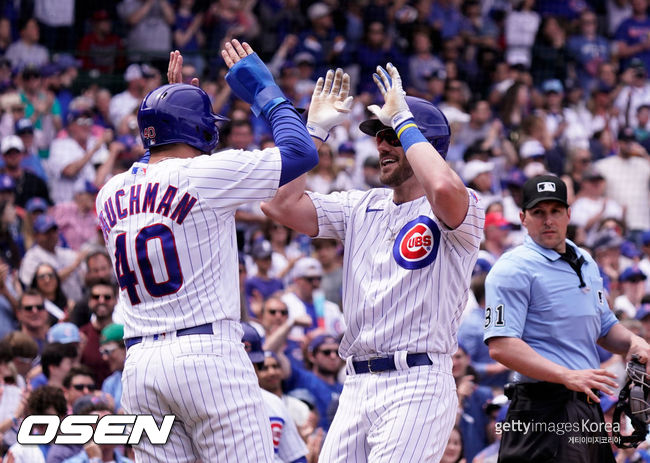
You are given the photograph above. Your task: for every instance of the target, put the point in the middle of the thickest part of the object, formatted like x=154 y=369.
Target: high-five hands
x=330 y=103
x=395 y=110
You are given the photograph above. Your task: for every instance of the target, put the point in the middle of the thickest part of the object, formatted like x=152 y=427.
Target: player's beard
x=399 y=172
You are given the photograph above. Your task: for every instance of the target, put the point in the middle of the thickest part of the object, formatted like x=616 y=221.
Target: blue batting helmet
x=179 y=113
x=430 y=120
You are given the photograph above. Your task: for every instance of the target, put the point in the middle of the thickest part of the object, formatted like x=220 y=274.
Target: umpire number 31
x=498 y=312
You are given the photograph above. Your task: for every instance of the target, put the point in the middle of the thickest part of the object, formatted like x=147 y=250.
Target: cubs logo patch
x=416 y=245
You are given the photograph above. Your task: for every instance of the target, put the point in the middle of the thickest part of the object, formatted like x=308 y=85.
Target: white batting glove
x=330 y=103
x=395 y=110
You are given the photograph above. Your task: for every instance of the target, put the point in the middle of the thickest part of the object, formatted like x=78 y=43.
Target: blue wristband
x=409 y=134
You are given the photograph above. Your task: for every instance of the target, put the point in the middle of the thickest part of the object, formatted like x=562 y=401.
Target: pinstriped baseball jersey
x=287 y=443
x=406 y=275
x=170 y=230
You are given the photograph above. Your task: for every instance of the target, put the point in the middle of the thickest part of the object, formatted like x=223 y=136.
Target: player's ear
x=522 y=216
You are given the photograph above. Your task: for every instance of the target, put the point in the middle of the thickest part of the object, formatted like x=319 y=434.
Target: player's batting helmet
x=430 y=120
x=179 y=113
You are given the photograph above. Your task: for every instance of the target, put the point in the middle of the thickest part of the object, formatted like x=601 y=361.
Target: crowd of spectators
x=527 y=86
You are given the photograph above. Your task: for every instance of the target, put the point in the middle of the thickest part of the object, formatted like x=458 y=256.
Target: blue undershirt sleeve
x=296 y=147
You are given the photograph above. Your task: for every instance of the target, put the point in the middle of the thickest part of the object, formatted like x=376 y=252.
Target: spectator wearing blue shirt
x=587 y=50
x=113 y=351
x=470 y=336
x=546 y=312
x=320 y=377
x=632 y=38
x=262 y=285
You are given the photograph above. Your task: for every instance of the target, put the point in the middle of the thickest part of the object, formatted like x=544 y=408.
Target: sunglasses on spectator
x=81 y=387
x=329 y=351
x=32 y=307
x=389 y=136
x=313 y=280
x=269 y=367
x=284 y=312
x=106 y=297
x=84 y=121
x=107 y=350
x=45 y=276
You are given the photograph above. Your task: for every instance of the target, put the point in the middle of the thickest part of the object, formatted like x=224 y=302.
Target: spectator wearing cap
x=606 y=249
x=47 y=250
x=127 y=101
x=627 y=176
x=632 y=281
x=591 y=206
x=149 y=24
x=73 y=158
x=346 y=159
x=471 y=417
x=318 y=374
x=261 y=285
x=643 y=316
x=496 y=232
x=306 y=298
x=287 y=442
x=634 y=93
x=77 y=219
x=322 y=40
x=477 y=175
x=101 y=49
x=27 y=184
x=26 y=51
x=113 y=351
x=587 y=49
x=32 y=139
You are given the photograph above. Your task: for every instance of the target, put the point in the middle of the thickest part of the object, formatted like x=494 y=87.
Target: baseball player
x=170 y=230
x=546 y=312
x=409 y=252
x=287 y=443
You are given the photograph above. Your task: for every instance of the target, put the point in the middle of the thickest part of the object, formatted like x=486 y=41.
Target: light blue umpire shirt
x=534 y=295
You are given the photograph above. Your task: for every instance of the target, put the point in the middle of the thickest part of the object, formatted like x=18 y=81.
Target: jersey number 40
x=127 y=277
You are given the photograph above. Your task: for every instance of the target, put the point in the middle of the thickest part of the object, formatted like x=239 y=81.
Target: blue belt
x=201 y=329
x=380 y=364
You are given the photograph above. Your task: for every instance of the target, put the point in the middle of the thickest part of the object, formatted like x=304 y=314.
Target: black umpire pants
x=546 y=423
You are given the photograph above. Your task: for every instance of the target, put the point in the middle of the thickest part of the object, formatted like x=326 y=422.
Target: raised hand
x=330 y=103
x=395 y=109
x=234 y=52
x=175 y=69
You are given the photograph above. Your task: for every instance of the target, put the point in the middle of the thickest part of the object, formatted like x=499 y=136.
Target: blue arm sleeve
x=296 y=147
x=300 y=460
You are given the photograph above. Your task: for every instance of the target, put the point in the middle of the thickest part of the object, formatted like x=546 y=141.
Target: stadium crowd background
x=527 y=86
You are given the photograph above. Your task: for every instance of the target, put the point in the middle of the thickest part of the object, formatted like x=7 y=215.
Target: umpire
x=546 y=311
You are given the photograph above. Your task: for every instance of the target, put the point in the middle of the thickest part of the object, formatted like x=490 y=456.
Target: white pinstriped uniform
x=406 y=281
x=287 y=443
x=177 y=268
